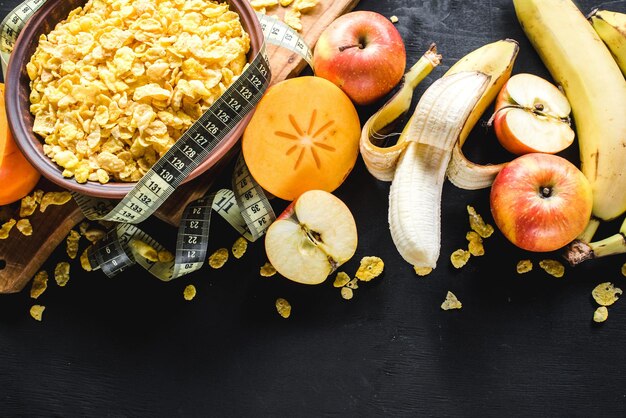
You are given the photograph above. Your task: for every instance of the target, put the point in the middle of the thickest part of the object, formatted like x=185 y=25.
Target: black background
x=522 y=345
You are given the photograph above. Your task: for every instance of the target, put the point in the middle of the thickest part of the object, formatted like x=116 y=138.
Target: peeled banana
x=415 y=194
x=582 y=65
x=611 y=28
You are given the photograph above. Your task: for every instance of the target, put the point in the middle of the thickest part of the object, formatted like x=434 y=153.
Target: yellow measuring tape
x=245 y=207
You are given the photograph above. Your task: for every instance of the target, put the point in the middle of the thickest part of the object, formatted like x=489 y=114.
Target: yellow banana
x=495 y=59
x=582 y=65
x=611 y=28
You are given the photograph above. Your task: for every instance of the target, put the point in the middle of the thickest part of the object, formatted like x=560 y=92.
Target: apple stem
x=344 y=47
x=546 y=191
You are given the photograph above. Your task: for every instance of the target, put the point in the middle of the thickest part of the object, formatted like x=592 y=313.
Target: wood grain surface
x=521 y=346
x=23 y=256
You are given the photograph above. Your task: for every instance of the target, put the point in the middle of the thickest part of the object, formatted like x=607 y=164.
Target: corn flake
x=524 y=266
x=54 y=198
x=475 y=244
x=239 y=247
x=218 y=258
x=39 y=285
x=165 y=256
x=394 y=19
x=422 y=271
x=267 y=270
x=292 y=18
x=624 y=269
x=347 y=293
x=478 y=224
x=29 y=203
x=6 y=228
x=553 y=267
x=190 y=292
x=601 y=314
x=62 y=273
x=71 y=244
x=144 y=250
x=25 y=227
x=84 y=259
x=353 y=284
x=370 y=268
x=606 y=294
x=451 y=302
x=283 y=307
x=94 y=235
x=341 y=279
x=36 y=311
x=459 y=258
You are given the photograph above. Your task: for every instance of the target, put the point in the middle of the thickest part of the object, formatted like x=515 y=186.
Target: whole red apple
x=363 y=53
x=541 y=202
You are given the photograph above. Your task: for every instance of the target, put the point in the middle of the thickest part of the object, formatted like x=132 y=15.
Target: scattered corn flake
x=267 y=270
x=422 y=271
x=285 y=3
x=39 y=285
x=478 y=224
x=341 y=279
x=624 y=269
x=54 y=198
x=292 y=18
x=143 y=249
x=189 y=292
x=29 y=203
x=347 y=293
x=304 y=6
x=524 y=266
x=84 y=259
x=283 y=307
x=262 y=4
x=62 y=273
x=36 y=311
x=394 y=19
x=370 y=268
x=552 y=267
x=475 y=244
x=353 y=284
x=239 y=247
x=6 y=228
x=71 y=244
x=84 y=227
x=94 y=235
x=165 y=256
x=25 y=227
x=459 y=258
x=451 y=302
x=218 y=258
x=600 y=314
x=605 y=294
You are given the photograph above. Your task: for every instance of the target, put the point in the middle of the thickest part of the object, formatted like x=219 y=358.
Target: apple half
x=313 y=236
x=532 y=115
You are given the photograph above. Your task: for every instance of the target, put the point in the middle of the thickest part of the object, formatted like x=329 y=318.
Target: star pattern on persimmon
x=310 y=139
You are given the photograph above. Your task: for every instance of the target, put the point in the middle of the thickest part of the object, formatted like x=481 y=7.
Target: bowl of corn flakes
x=98 y=90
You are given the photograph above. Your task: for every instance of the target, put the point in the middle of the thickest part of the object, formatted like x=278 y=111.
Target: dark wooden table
x=522 y=345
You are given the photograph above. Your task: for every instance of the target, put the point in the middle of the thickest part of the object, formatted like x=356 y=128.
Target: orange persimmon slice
x=17 y=176
x=304 y=135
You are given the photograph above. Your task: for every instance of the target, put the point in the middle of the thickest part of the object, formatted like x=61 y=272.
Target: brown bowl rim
x=31 y=145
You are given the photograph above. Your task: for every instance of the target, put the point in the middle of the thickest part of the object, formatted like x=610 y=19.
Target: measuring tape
x=245 y=207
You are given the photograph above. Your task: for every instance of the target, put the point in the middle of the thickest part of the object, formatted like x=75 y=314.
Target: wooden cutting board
x=21 y=257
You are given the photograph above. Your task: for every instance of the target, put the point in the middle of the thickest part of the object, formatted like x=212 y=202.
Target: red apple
x=313 y=236
x=363 y=53
x=532 y=115
x=541 y=202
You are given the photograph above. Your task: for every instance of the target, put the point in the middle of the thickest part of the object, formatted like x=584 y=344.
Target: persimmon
x=17 y=176
x=304 y=135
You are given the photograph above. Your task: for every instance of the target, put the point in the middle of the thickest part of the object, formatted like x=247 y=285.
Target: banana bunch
x=418 y=163
x=583 y=66
x=611 y=28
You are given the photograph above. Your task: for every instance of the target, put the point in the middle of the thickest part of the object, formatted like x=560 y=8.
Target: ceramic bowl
x=20 y=119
